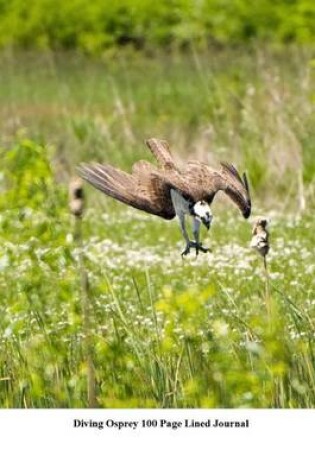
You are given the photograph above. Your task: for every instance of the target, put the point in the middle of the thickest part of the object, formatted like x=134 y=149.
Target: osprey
x=170 y=190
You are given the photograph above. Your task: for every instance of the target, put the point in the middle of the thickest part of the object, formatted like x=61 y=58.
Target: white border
x=46 y=442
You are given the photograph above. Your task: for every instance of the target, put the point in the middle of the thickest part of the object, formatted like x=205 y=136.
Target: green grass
x=165 y=332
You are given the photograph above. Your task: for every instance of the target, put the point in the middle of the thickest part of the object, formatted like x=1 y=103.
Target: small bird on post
x=260 y=242
x=260 y=239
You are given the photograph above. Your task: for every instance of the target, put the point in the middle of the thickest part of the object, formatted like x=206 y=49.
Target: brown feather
x=161 y=150
x=229 y=168
x=142 y=167
x=148 y=193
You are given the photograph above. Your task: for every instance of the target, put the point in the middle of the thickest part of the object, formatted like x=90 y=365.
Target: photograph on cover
x=157 y=201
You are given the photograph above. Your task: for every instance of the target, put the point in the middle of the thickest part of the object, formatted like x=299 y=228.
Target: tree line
x=95 y=25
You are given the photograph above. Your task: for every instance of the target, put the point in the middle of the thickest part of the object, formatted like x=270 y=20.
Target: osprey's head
x=201 y=210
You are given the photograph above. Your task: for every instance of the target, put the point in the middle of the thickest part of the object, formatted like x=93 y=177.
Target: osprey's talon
x=203 y=249
x=186 y=250
x=189 y=245
x=199 y=247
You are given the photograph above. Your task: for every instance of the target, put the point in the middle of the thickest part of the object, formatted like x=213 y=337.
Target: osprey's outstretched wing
x=206 y=182
x=236 y=188
x=161 y=150
x=143 y=189
x=199 y=182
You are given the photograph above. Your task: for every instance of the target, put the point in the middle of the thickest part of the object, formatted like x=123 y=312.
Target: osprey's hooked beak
x=207 y=221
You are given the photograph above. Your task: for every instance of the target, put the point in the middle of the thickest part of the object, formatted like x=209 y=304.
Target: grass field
x=119 y=319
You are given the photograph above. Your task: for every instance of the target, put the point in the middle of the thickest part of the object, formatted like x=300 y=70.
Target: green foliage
x=26 y=177
x=98 y=25
x=192 y=334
